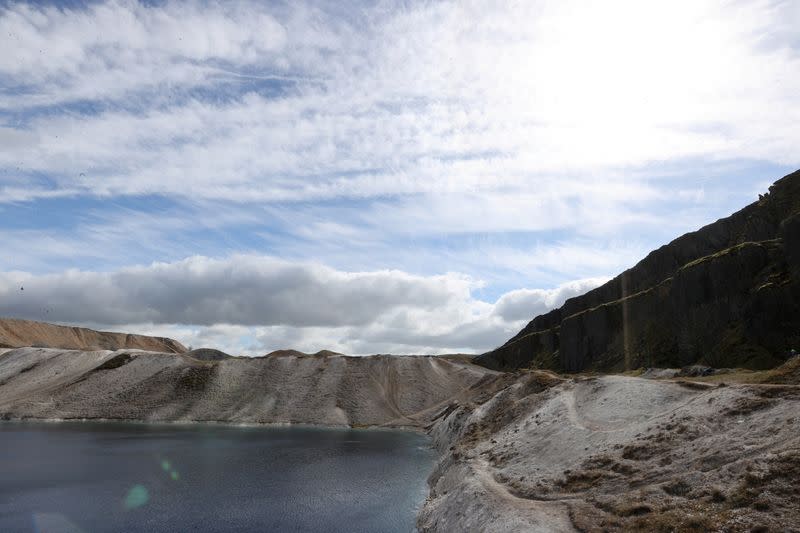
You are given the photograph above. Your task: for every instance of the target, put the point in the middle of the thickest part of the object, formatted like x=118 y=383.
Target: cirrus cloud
x=427 y=98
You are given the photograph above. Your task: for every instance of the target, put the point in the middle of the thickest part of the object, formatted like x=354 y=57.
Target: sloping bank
x=616 y=453
x=287 y=387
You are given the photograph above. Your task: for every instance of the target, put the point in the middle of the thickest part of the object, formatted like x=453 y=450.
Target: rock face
x=726 y=295
x=324 y=389
x=15 y=333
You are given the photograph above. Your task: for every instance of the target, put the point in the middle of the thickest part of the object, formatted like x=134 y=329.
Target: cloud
x=261 y=302
x=435 y=98
x=524 y=304
x=106 y=49
x=242 y=290
x=12 y=139
x=522 y=144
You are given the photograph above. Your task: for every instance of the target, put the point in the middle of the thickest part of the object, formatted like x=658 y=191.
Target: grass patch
x=640 y=451
x=581 y=480
x=674 y=521
x=786 y=374
x=677 y=487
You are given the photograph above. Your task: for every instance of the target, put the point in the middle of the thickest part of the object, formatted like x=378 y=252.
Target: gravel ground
x=619 y=453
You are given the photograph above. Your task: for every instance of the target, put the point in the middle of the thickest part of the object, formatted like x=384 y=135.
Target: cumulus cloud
x=242 y=290
x=251 y=303
x=524 y=304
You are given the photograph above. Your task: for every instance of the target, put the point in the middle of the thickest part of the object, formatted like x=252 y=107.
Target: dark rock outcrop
x=208 y=354
x=725 y=295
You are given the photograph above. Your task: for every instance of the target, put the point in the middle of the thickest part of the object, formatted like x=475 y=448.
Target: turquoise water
x=92 y=477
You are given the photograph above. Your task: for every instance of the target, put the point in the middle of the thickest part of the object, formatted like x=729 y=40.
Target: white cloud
x=245 y=290
x=249 y=304
x=437 y=98
x=106 y=49
x=449 y=120
x=524 y=304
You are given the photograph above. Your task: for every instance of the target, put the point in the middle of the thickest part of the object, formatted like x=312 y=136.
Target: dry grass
x=674 y=521
x=582 y=480
x=787 y=374
x=748 y=405
x=640 y=451
x=622 y=514
x=677 y=487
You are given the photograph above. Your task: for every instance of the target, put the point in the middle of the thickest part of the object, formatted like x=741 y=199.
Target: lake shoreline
x=216 y=423
x=137 y=476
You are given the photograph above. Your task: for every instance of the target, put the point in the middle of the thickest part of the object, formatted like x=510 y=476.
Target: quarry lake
x=93 y=476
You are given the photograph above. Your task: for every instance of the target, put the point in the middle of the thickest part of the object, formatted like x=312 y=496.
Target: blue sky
x=371 y=177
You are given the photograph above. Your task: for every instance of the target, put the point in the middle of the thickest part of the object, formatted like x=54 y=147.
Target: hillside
x=15 y=333
x=725 y=295
x=616 y=453
x=322 y=389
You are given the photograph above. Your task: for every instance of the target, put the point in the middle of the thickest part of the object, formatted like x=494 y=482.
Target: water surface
x=92 y=477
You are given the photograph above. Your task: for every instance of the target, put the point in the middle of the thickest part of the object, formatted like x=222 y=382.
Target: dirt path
x=544 y=516
x=574 y=417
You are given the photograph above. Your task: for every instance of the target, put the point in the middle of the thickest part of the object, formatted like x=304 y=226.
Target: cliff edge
x=725 y=295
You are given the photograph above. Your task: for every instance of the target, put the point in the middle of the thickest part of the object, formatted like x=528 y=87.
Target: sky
x=380 y=177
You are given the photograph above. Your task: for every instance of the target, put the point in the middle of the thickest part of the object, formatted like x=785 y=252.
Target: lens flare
x=137 y=496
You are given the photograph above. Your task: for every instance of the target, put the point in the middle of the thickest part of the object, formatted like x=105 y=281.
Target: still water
x=91 y=477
